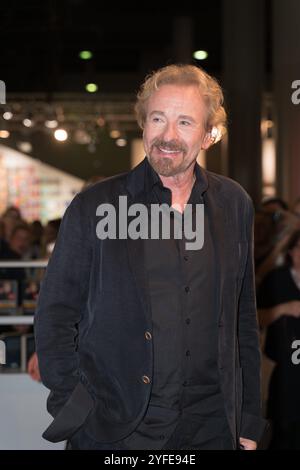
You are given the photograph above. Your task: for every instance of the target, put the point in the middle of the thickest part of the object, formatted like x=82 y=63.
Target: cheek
x=149 y=136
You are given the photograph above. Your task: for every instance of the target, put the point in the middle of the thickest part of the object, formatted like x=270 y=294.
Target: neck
x=181 y=186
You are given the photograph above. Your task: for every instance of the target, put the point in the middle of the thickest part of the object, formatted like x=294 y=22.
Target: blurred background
x=69 y=73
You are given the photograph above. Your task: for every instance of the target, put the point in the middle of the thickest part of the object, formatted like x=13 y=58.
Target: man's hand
x=33 y=368
x=247 y=444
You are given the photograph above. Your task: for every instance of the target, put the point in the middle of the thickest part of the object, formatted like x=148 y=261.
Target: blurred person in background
x=36 y=238
x=45 y=241
x=10 y=218
x=278 y=301
x=50 y=236
x=274 y=226
x=20 y=240
x=15 y=250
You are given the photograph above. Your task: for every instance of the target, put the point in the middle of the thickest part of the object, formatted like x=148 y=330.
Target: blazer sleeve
x=252 y=423
x=62 y=301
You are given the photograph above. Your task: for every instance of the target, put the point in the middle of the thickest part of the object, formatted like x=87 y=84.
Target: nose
x=170 y=132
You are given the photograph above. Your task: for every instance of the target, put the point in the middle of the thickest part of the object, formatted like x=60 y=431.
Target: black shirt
x=182 y=286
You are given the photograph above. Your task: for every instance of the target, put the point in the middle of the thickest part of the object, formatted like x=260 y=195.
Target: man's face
x=174 y=130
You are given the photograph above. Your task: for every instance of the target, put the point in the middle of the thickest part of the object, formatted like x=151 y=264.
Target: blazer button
x=148 y=335
x=146 y=379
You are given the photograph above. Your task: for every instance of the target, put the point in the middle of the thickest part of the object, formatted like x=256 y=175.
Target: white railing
x=20 y=319
x=40 y=263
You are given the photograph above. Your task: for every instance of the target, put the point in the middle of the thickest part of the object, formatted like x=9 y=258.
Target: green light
x=85 y=55
x=200 y=55
x=91 y=87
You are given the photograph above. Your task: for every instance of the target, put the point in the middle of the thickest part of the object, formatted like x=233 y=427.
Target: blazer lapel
x=218 y=224
x=136 y=248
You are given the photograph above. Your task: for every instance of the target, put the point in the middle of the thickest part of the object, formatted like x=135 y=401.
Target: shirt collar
x=152 y=178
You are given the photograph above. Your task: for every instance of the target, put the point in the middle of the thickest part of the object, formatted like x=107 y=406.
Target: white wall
x=23 y=414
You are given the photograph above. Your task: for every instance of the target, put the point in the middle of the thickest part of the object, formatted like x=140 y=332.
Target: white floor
x=23 y=414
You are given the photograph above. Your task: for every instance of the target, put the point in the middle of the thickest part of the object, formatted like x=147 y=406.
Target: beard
x=168 y=166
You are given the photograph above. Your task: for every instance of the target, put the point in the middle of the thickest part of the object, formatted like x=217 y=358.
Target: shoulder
x=107 y=186
x=232 y=196
x=105 y=191
x=227 y=186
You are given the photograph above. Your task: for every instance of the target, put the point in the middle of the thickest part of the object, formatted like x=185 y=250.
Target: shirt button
x=148 y=335
x=146 y=379
x=188 y=321
x=187 y=289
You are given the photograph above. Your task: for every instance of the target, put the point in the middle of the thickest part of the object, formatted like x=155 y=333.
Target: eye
x=156 y=119
x=184 y=123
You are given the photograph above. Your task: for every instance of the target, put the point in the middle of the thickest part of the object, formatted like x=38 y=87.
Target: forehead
x=183 y=99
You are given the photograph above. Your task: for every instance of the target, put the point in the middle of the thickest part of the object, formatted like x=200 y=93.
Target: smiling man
x=144 y=343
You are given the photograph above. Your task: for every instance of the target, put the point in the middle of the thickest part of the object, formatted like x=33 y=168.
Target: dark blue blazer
x=94 y=310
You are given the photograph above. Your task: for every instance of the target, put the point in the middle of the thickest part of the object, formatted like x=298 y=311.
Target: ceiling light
x=51 y=123
x=4 y=134
x=25 y=147
x=200 y=55
x=7 y=115
x=61 y=135
x=121 y=142
x=115 y=133
x=85 y=55
x=27 y=122
x=91 y=87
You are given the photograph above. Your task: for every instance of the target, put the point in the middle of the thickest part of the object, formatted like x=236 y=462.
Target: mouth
x=168 y=152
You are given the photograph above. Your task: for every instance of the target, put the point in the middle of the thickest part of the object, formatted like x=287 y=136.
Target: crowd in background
x=277 y=270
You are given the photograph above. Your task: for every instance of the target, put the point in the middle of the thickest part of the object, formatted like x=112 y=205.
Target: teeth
x=169 y=151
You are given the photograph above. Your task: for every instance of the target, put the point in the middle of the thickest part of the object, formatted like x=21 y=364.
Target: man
x=144 y=343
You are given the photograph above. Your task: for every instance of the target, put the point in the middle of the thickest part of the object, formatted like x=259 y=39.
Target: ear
x=207 y=141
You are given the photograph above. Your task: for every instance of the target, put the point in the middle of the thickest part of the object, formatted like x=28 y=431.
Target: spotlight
x=27 y=122
x=61 y=135
x=25 y=147
x=7 y=115
x=121 y=142
x=4 y=134
x=115 y=133
x=91 y=87
x=200 y=55
x=51 y=123
x=85 y=55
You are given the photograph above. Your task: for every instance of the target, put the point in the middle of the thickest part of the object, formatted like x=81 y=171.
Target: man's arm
x=252 y=424
x=62 y=301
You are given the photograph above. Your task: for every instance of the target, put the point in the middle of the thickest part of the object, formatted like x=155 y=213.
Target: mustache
x=173 y=144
